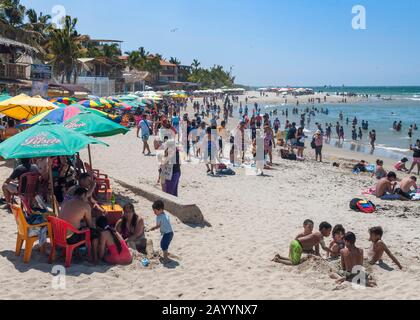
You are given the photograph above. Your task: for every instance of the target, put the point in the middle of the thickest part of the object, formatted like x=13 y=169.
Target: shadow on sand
x=40 y=263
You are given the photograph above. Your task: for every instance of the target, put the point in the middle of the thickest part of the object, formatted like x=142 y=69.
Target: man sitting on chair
x=77 y=211
x=11 y=186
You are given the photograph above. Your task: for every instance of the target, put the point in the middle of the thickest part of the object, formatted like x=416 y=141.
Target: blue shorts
x=389 y=196
x=145 y=137
x=166 y=241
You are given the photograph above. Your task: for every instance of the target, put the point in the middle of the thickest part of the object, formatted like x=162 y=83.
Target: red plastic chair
x=102 y=180
x=28 y=188
x=59 y=239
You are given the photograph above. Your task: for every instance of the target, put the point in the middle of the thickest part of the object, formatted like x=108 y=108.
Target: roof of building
x=105 y=40
x=17 y=44
x=165 y=63
x=68 y=87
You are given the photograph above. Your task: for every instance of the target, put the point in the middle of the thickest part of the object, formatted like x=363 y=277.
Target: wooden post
x=51 y=182
x=90 y=156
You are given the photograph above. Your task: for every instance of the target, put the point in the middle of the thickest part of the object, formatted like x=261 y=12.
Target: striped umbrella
x=58 y=116
x=91 y=104
x=65 y=100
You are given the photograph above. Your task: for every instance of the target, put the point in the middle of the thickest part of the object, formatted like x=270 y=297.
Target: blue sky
x=268 y=42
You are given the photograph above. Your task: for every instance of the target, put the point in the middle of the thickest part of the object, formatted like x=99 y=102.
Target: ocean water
x=405 y=93
x=380 y=115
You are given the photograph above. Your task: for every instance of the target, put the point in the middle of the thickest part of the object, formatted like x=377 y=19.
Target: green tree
x=12 y=12
x=64 y=48
x=174 y=60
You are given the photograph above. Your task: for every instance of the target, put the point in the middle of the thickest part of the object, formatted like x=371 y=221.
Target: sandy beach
x=252 y=218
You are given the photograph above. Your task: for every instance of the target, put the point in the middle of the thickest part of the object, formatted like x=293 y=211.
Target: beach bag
x=313 y=144
x=147 y=124
x=361 y=205
x=167 y=171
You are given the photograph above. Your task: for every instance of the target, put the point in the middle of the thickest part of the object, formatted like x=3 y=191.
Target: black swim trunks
x=76 y=238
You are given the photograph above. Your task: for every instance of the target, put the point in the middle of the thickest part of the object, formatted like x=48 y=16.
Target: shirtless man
x=352 y=258
x=405 y=186
x=75 y=211
x=86 y=182
x=309 y=241
x=378 y=248
x=385 y=189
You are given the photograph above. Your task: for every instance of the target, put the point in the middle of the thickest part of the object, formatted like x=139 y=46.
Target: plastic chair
x=23 y=236
x=59 y=239
x=102 y=180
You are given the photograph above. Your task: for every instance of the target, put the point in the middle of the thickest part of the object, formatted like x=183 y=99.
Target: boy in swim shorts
x=309 y=241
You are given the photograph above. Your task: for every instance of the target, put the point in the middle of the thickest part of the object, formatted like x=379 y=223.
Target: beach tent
x=24 y=107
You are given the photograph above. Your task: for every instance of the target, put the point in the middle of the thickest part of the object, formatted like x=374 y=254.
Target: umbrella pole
x=51 y=185
x=90 y=156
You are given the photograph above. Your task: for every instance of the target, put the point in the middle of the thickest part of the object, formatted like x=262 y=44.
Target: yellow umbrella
x=24 y=107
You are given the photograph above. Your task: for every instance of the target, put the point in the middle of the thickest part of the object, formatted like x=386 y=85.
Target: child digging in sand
x=306 y=243
x=378 y=247
x=352 y=263
x=163 y=223
x=337 y=244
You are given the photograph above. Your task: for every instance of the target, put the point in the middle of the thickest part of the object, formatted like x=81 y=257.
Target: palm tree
x=12 y=12
x=195 y=64
x=135 y=60
x=39 y=24
x=143 y=53
x=111 y=51
x=174 y=60
x=65 y=48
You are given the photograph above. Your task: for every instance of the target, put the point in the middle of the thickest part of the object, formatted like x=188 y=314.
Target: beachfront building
x=135 y=80
x=102 y=76
x=15 y=65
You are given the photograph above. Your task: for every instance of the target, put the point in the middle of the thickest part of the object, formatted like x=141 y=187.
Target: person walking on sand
x=318 y=141
x=372 y=137
x=144 y=127
x=416 y=157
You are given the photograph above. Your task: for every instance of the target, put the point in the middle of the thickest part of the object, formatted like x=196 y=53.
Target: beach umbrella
x=65 y=100
x=109 y=103
x=24 y=107
x=92 y=125
x=91 y=104
x=94 y=111
x=58 y=116
x=4 y=97
x=46 y=139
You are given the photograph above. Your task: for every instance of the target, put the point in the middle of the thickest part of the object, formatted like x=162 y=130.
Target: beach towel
x=370 y=191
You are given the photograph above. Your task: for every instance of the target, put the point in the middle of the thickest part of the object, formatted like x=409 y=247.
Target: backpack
x=313 y=144
x=361 y=205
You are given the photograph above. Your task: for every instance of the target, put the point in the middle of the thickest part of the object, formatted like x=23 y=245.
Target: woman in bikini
x=131 y=228
x=112 y=247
